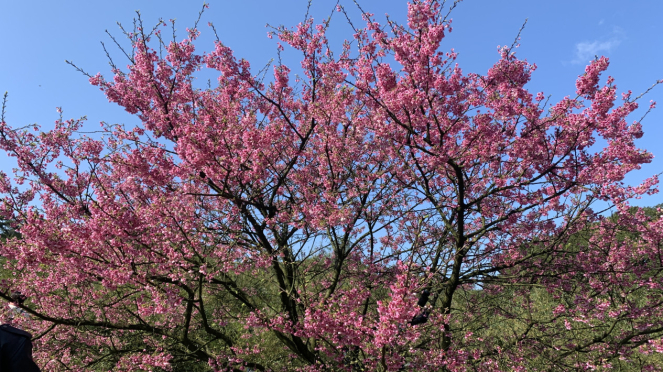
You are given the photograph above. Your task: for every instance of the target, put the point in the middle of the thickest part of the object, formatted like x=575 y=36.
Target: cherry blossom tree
x=382 y=210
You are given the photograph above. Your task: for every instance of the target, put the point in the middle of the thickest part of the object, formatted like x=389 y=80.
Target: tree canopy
x=295 y=222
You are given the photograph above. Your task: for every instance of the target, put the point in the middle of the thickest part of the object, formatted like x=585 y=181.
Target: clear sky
x=561 y=36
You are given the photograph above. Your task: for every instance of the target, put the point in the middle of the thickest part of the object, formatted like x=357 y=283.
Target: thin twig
x=77 y=68
x=215 y=33
x=515 y=41
x=4 y=106
x=200 y=14
x=130 y=58
x=110 y=59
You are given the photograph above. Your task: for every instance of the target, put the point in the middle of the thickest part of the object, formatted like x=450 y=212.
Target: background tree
x=290 y=224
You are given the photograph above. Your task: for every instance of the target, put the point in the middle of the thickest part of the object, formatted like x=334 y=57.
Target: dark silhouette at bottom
x=16 y=350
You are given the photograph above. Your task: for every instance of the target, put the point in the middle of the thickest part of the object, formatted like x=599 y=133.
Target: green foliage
x=7 y=231
x=524 y=313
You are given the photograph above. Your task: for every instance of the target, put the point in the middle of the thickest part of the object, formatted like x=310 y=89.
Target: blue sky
x=560 y=37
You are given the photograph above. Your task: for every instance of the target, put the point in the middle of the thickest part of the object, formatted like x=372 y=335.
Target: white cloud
x=586 y=50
